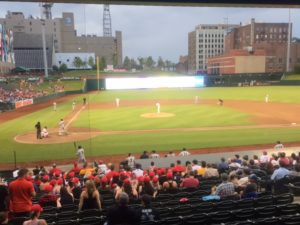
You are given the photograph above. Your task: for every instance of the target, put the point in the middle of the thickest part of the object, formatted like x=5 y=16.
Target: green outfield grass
x=128 y=118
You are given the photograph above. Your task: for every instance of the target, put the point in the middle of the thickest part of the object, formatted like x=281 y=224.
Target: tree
x=141 y=62
x=297 y=68
x=160 y=63
x=168 y=64
x=115 y=60
x=150 y=62
x=63 y=68
x=126 y=63
x=55 y=68
x=91 y=62
x=133 y=64
x=102 y=63
x=77 y=62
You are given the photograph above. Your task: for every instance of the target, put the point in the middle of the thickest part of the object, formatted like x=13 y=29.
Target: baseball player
x=267 y=98
x=117 y=102
x=196 y=99
x=61 y=127
x=80 y=154
x=45 y=133
x=157 y=107
x=54 y=106
x=38 y=130
x=73 y=105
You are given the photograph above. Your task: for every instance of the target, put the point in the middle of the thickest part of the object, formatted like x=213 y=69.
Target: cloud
x=154 y=30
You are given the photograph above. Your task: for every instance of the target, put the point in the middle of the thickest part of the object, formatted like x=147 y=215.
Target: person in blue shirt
x=280 y=173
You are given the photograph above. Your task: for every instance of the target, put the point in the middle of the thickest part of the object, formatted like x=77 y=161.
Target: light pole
x=44 y=48
x=288 y=45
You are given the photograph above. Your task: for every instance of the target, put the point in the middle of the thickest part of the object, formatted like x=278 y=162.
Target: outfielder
x=54 y=106
x=73 y=105
x=80 y=154
x=196 y=99
x=157 y=107
x=117 y=102
x=267 y=98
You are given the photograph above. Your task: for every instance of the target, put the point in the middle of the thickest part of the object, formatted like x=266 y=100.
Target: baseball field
x=104 y=129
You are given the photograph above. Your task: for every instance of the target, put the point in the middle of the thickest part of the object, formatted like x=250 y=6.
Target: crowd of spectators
x=84 y=185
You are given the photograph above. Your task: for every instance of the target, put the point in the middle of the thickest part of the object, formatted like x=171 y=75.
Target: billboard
x=154 y=82
x=6 y=45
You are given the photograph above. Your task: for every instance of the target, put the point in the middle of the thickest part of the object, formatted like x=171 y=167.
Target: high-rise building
x=64 y=35
x=205 y=41
x=272 y=38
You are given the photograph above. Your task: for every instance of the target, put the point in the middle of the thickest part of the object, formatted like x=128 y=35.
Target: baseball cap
x=152 y=174
x=104 y=179
x=141 y=179
x=126 y=181
x=155 y=179
x=36 y=208
x=59 y=181
x=48 y=188
x=53 y=182
x=71 y=174
x=45 y=178
x=170 y=176
x=75 y=180
x=254 y=177
x=147 y=179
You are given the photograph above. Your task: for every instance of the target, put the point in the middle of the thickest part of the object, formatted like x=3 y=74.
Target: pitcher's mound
x=157 y=115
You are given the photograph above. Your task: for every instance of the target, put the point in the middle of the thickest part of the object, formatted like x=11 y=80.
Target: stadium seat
x=66 y=222
x=196 y=219
x=267 y=211
x=68 y=215
x=94 y=220
x=18 y=220
x=245 y=203
x=289 y=209
x=50 y=218
x=90 y=213
x=268 y=221
x=225 y=205
x=172 y=221
x=221 y=217
x=264 y=201
x=244 y=214
x=284 y=199
x=291 y=220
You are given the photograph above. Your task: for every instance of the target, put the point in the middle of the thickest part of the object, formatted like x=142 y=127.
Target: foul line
x=75 y=116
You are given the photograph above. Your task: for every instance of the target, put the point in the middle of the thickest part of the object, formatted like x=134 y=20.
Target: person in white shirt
x=267 y=98
x=154 y=155
x=130 y=160
x=157 y=107
x=80 y=154
x=196 y=99
x=138 y=172
x=117 y=102
x=44 y=133
x=278 y=145
x=195 y=165
x=264 y=158
x=102 y=168
x=73 y=105
x=54 y=106
x=184 y=152
x=61 y=127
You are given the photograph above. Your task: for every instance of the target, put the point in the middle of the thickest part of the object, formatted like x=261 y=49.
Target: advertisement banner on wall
x=24 y=102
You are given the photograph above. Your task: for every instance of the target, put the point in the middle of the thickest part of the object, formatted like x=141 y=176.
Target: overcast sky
x=156 y=31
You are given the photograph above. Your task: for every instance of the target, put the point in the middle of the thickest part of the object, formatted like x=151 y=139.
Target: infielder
x=267 y=98
x=73 y=105
x=196 y=99
x=61 y=127
x=54 y=106
x=117 y=102
x=157 y=107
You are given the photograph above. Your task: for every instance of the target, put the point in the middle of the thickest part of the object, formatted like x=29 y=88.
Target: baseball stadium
x=113 y=141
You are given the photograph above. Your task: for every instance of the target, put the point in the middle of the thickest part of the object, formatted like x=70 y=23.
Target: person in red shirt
x=21 y=191
x=179 y=167
x=54 y=171
x=190 y=181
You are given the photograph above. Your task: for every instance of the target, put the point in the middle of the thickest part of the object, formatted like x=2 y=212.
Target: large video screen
x=154 y=82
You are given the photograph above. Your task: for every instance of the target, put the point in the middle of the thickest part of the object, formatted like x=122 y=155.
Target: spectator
x=154 y=155
x=102 y=168
x=223 y=166
x=237 y=159
x=130 y=160
x=252 y=165
x=138 y=172
x=21 y=191
x=170 y=185
x=184 y=152
x=211 y=171
x=195 y=165
x=264 y=159
x=147 y=188
x=179 y=167
x=45 y=182
x=152 y=167
x=203 y=169
x=54 y=170
x=147 y=212
x=65 y=198
x=4 y=197
x=48 y=199
x=121 y=213
x=190 y=181
x=3 y=218
x=245 y=179
x=75 y=188
x=296 y=172
x=89 y=198
x=280 y=173
x=128 y=189
x=226 y=188
x=250 y=190
x=284 y=159
x=144 y=155
x=34 y=217
x=278 y=146
x=156 y=185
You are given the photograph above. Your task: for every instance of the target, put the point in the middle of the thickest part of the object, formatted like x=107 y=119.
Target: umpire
x=38 y=130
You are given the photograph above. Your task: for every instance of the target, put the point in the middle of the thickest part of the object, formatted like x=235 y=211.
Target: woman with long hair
x=34 y=216
x=89 y=198
x=127 y=188
x=65 y=198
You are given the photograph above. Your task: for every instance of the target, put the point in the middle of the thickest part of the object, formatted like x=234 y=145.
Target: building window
x=257 y=36
x=298 y=60
x=280 y=30
x=275 y=30
x=280 y=60
x=30 y=23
